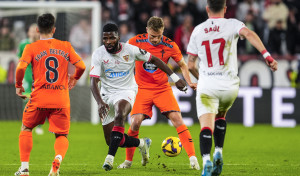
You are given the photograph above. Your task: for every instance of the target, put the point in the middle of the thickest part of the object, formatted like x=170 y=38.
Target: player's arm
x=76 y=60
x=20 y=72
x=253 y=38
x=192 y=65
x=180 y=84
x=103 y=108
x=186 y=74
x=80 y=68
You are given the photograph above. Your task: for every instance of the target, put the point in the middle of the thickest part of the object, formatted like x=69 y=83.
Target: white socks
x=142 y=143
x=24 y=165
x=59 y=157
x=205 y=158
x=218 y=149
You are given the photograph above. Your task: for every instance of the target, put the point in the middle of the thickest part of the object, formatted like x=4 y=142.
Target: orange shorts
x=163 y=99
x=59 y=118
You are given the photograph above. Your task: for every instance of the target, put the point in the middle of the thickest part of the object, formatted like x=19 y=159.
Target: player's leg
x=59 y=124
x=25 y=146
x=166 y=102
x=142 y=109
x=31 y=118
x=122 y=109
x=207 y=108
x=185 y=137
x=207 y=126
x=226 y=100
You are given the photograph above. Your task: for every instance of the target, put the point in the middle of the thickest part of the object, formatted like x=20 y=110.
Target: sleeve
x=27 y=56
x=238 y=26
x=192 y=46
x=140 y=54
x=95 y=66
x=73 y=56
x=131 y=41
x=176 y=53
x=20 y=50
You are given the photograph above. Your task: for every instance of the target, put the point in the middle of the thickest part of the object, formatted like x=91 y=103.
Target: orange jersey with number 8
x=147 y=75
x=50 y=59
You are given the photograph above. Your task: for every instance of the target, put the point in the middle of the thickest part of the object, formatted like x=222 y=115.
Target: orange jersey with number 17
x=50 y=59
x=147 y=75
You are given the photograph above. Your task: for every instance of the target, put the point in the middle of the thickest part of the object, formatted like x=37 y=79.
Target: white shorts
x=113 y=98
x=215 y=101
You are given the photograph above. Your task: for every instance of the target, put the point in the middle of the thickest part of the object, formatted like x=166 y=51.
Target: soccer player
x=49 y=58
x=113 y=65
x=154 y=88
x=33 y=36
x=214 y=42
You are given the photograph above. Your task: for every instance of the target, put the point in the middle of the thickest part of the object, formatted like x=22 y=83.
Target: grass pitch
x=259 y=150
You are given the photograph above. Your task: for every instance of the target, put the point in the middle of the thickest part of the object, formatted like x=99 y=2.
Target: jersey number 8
x=51 y=64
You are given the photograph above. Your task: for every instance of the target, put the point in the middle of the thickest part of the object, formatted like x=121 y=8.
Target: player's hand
x=103 y=109
x=181 y=85
x=71 y=82
x=273 y=65
x=193 y=86
x=19 y=91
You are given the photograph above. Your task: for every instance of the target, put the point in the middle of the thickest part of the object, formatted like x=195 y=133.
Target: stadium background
x=264 y=97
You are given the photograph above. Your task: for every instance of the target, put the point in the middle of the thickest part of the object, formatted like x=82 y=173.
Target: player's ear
x=53 y=30
x=207 y=10
x=37 y=29
x=225 y=8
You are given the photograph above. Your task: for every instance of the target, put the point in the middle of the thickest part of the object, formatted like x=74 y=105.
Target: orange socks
x=61 y=146
x=130 y=151
x=186 y=140
x=25 y=145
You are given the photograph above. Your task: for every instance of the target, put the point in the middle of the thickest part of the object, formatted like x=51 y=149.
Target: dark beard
x=114 y=49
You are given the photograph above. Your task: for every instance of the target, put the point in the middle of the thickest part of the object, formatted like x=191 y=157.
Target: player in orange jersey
x=49 y=58
x=154 y=88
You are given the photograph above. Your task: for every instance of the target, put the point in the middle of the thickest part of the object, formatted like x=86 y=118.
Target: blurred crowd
x=277 y=22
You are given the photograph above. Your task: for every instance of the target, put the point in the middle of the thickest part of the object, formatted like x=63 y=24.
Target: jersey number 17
x=220 y=52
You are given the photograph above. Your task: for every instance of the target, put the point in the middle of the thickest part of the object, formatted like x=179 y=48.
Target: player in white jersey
x=113 y=64
x=214 y=42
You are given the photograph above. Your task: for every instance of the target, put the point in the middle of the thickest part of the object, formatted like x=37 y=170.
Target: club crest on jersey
x=126 y=57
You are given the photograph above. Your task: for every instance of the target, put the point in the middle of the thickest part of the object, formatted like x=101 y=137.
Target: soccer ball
x=171 y=146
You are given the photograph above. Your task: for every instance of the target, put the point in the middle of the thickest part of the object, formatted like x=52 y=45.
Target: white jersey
x=116 y=71
x=215 y=43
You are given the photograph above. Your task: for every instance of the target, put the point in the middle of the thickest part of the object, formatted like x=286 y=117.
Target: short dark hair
x=110 y=27
x=216 y=5
x=46 y=23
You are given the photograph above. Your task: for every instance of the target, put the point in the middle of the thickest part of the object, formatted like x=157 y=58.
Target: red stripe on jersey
x=95 y=76
x=192 y=54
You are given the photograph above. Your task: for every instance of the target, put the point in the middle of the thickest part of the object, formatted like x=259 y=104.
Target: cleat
x=108 y=163
x=24 y=172
x=207 y=169
x=218 y=164
x=55 y=168
x=145 y=151
x=125 y=165
x=194 y=163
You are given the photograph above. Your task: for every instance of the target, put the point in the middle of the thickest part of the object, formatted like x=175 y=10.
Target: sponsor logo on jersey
x=48 y=109
x=53 y=87
x=126 y=57
x=109 y=73
x=105 y=61
x=149 y=67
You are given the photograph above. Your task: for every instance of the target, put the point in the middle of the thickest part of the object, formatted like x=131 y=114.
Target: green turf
x=260 y=150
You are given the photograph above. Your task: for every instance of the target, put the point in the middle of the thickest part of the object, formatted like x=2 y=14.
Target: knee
x=24 y=128
x=58 y=135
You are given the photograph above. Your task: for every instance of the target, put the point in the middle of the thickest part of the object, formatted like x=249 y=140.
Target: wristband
x=174 y=77
x=267 y=56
